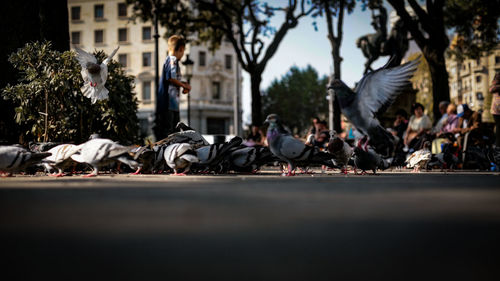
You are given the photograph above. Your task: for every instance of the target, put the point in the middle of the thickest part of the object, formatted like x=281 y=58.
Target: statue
x=377 y=44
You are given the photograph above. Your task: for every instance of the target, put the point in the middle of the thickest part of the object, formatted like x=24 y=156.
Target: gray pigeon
x=94 y=74
x=291 y=150
x=188 y=136
x=15 y=158
x=99 y=152
x=249 y=158
x=61 y=157
x=372 y=96
x=367 y=159
x=212 y=156
x=180 y=156
x=341 y=150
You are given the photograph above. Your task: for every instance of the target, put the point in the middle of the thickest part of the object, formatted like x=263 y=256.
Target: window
x=122 y=59
x=478 y=79
x=479 y=96
x=497 y=60
x=122 y=10
x=75 y=13
x=122 y=35
x=75 y=37
x=98 y=36
x=216 y=126
x=146 y=91
x=216 y=90
x=99 y=12
x=202 y=58
x=146 y=59
x=146 y=33
x=229 y=62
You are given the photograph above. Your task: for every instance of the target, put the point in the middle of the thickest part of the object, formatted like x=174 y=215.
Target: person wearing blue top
x=167 y=110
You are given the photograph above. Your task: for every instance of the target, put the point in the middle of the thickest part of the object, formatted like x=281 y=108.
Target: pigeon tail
x=382 y=141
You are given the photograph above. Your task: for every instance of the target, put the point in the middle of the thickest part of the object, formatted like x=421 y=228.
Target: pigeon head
x=93 y=68
x=335 y=144
x=273 y=120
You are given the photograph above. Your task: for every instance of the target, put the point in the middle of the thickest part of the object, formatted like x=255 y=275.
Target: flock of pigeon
x=187 y=151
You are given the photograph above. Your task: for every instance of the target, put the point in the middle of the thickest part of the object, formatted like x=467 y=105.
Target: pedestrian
x=495 y=106
x=167 y=111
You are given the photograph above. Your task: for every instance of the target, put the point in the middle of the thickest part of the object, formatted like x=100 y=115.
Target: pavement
x=391 y=226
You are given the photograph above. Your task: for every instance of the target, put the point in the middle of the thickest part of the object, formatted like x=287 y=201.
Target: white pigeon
x=61 y=157
x=419 y=158
x=180 y=156
x=98 y=152
x=15 y=158
x=94 y=75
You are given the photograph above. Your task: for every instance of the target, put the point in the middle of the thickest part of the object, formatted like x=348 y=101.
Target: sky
x=303 y=45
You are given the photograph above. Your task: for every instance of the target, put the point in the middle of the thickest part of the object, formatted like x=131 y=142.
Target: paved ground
x=394 y=226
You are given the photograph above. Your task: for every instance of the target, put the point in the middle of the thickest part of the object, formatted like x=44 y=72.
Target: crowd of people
x=459 y=126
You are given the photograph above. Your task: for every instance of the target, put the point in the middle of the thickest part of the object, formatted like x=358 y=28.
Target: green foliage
x=299 y=96
x=71 y=116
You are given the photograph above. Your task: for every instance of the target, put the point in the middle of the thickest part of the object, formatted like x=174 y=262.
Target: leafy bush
x=52 y=76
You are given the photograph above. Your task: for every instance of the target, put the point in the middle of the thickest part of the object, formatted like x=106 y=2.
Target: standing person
x=167 y=111
x=495 y=106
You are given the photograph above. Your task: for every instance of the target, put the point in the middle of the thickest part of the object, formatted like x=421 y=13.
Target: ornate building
x=216 y=80
x=471 y=79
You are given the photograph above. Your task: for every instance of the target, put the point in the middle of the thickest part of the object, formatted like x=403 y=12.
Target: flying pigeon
x=419 y=158
x=180 y=156
x=99 y=152
x=15 y=158
x=367 y=159
x=341 y=150
x=291 y=150
x=61 y=157
x=94 y=74
x=375 y=92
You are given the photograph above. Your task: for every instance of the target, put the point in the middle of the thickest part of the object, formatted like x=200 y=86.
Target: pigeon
x=94 y=75
x=250 y=158
x=375 y=92
x=419 y=158
x=211 y=157
x=42 y=146
x=180 y=156
x=146 y=157
x=366 y=158
x=187 y=136
x=61 y=157
x=340 y=150
x=291 y=150
x=15 y=158
x=99 y=152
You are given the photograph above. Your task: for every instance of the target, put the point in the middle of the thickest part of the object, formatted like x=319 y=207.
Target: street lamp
x=188 y=63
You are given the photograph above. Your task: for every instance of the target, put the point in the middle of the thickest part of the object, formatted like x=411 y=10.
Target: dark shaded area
x=22 y=22
x=387 y=227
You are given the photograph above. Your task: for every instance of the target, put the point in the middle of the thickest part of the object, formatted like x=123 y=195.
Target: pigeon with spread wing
x=372 y=96
x=94 y=74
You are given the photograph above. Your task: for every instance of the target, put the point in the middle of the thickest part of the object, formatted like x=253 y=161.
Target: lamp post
x=188 y=63
x=155 y=4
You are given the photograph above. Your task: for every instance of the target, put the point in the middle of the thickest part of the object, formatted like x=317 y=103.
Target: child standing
x=167 y=111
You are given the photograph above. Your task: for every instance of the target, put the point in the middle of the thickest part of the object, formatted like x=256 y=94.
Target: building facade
x=471 y=79
x=215 y=98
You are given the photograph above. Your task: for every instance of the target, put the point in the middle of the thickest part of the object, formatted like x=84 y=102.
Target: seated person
x=321 y=136
x=418 y=126
x=469 y=121
x=255 y=137
x=449 y=125
x=443 y=106
x=400 y=124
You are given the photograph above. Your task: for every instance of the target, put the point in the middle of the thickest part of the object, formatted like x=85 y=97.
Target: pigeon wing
x=108 y=59
x=84 y=57
x=378 y=90
x=292 y=148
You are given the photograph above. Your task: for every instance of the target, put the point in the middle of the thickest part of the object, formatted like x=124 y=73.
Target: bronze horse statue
x=377 y=44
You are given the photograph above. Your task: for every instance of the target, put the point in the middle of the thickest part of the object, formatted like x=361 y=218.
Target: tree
x=245 y=24
x=297 y=97
x=332 y=8
x=49 y=105
x=428 y=28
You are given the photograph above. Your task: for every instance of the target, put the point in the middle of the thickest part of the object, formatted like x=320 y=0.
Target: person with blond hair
x=167 y=111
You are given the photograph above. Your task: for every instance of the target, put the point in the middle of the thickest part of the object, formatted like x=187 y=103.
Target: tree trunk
x=439 y=76
x=336 y=106
x=54 y=26
x=255 y=80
